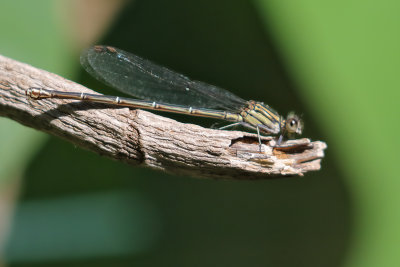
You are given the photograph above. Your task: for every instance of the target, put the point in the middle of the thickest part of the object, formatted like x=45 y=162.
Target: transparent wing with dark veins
x=143 y=79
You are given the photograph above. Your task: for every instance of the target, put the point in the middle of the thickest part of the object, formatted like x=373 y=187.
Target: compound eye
x=292 y=125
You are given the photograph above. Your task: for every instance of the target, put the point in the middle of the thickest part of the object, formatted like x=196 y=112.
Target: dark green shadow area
x=291 y=222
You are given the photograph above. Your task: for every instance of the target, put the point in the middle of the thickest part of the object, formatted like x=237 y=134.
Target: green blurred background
x=335 y=62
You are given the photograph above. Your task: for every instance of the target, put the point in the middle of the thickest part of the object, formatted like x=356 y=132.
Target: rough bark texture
x=138 y=137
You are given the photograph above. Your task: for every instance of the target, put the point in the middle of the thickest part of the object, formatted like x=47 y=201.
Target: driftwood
x=139 y=137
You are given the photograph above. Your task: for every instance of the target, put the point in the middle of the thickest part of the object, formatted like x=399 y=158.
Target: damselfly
x=166 y=90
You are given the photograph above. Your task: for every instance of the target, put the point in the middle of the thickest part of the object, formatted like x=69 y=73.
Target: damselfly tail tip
x=30 y=92
x=36 y=93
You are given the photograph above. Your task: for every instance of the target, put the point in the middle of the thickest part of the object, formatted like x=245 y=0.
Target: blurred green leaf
x=31 y=34
x=345 y=56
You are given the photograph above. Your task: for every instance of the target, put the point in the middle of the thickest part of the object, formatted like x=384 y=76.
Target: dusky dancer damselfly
x=165 y=90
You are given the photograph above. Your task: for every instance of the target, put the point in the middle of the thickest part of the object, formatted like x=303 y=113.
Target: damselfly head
x=293 y=125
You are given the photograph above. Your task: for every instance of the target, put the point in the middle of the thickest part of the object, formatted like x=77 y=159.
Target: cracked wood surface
x=139 y=137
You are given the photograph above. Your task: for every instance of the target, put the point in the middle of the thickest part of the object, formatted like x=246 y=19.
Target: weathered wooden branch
x=138 y=137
